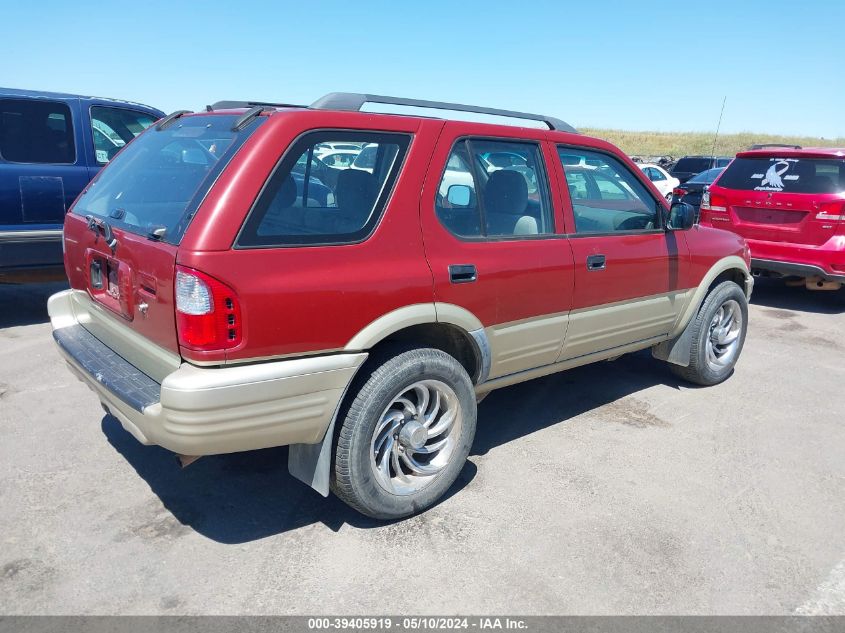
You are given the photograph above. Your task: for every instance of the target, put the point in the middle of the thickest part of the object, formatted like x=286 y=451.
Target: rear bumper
x=788 y=258
x=206 y=411
x=794 y=269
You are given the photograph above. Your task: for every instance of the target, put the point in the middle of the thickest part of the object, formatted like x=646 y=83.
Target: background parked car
x=692 y=190
x=661 y=178
x=51 y=145
x=788 y=204
x=689 y=166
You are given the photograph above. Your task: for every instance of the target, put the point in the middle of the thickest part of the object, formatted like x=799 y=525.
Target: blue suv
x=51 y=146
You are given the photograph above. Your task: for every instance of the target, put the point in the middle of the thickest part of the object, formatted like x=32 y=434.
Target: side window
x=606 y=196
x=36 y=131
x=655 y=175
x=115 y=127
x=494 y=189
x=319 y=197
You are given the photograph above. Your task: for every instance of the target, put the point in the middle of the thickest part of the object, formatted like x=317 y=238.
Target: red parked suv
x=232 y=291
x=789 y=203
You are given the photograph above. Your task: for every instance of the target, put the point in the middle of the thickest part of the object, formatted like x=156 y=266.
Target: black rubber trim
x=109 y=369
x=794 y=269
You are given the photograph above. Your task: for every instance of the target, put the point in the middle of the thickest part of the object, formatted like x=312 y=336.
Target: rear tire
x=718 y=336
x=406 y=435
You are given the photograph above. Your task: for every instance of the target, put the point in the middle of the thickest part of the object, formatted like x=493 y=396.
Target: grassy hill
x=679 y=144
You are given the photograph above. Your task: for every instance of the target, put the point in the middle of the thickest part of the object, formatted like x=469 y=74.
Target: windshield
x=790 y=175
x=694 y=165
x=159 y=179
x=707 y=176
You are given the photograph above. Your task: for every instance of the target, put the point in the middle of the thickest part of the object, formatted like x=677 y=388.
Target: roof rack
x=775 y=146
x=235 y=105
x=353 y=101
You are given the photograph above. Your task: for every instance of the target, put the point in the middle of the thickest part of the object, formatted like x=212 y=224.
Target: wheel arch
x=676 y=349
x=447 y=327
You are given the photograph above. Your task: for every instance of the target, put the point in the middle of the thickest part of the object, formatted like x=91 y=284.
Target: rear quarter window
x=312 y=200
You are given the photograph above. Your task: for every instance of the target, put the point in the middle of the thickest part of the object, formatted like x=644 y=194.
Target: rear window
x=790 y=175
x=693 y=164
x=707 y=176
x=159 y=180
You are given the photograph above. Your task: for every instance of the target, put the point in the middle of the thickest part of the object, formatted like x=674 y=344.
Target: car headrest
x=356 y=192
x=506 y=192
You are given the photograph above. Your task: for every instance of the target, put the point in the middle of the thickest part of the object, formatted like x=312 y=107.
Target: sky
x=625 y=64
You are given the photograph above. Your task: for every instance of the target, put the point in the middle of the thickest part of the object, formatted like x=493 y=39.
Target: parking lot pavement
x=607 y=489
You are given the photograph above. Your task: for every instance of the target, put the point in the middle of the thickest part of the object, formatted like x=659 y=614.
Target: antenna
x=718 y=125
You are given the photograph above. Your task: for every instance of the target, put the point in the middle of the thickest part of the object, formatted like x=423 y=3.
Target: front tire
x=406 y=435
x=718 y=336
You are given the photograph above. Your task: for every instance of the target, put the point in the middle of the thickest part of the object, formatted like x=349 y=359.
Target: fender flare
x=311 y=463
x=676 y=349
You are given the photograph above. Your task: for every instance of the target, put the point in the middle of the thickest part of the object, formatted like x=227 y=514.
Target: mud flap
x=676 y=350
x=311 y=463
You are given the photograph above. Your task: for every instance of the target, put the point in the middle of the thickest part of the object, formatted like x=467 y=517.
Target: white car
x=339 y=159
x=661 y=179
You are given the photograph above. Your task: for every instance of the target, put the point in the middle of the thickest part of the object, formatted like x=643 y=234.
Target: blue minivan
x=51 y=146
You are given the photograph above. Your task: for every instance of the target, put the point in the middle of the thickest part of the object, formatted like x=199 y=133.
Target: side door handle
x=596 y=262
x=462 y=273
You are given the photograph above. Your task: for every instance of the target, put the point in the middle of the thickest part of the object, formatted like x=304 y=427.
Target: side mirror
x=459 y=195
x=681 y=217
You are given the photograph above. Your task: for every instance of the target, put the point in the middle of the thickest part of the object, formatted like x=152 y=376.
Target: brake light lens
x=208 y=315
x=679 y=191
x=709 y=202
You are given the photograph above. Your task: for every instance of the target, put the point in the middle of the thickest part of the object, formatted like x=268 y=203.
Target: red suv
x=789 y=203
x=233 y=291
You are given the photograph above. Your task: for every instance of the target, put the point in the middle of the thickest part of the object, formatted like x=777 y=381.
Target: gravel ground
x=610 y=489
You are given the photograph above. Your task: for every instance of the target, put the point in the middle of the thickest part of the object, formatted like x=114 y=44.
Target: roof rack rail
x=234 y=105
x=775 y=146
x=170 y=118
x=353 y=101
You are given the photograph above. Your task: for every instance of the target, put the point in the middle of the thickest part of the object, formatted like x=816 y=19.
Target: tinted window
x=36 y=131
x=790 y=175
x=606 y=196
x=494 y=189
x=160 y=179
x=657 y=175
x=694 y=165
x=338 y=203
x=115 y=127
x=707 y=176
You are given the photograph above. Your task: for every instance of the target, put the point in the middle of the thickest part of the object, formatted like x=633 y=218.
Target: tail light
x=711 y=202
x=208 y=315
x=679 y=191
x=831 y=211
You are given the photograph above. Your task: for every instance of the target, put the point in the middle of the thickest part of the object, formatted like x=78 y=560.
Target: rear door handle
x=462 y=273
x=596 y=262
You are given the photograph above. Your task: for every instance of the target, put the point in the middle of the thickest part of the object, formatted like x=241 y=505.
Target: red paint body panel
x=298 y=300
x=517 y=278
x=147 y=269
